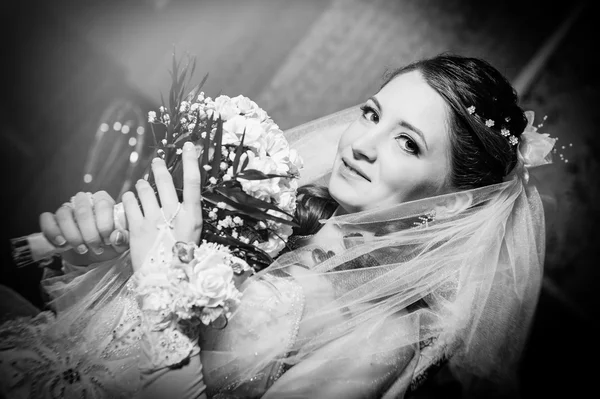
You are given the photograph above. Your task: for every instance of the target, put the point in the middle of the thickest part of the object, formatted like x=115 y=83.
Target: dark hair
x=313 y=204
x=480 y=155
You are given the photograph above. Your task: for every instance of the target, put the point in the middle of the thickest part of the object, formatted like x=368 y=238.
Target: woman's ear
x=453 y=204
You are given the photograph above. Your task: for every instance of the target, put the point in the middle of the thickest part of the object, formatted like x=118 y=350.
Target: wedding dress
x=349 y=316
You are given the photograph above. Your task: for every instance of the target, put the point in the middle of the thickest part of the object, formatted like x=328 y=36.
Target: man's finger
x=84 y=216
x=104 y=212
x=119 y=240
x=69 y=229
x=51 y=230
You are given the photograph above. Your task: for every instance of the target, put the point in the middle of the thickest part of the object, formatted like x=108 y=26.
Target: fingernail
x=119 y=238
x=82 y=249
x=188 y=145
x=157 y=159
x=107 y=241
x=98 y=251
x=60 y=240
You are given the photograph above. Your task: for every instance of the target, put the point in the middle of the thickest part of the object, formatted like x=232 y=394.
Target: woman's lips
x=353 y=171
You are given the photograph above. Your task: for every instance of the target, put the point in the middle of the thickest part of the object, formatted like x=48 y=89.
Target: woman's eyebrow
x=402 y=123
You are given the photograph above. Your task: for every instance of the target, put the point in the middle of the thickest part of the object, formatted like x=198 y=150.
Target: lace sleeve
x=165 y=341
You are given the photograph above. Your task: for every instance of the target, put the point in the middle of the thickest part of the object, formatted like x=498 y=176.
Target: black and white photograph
x=320 y=199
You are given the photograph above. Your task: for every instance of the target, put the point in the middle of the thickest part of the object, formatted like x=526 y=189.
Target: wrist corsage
x=179 y=290
x=189 y=283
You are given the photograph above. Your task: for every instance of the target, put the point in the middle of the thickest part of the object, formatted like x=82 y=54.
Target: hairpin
x=513 y=140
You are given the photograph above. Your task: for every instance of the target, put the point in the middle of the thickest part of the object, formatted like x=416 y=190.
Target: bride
x=426 y=250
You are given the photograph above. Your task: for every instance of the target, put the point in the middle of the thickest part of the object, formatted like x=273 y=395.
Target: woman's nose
x=365 y=147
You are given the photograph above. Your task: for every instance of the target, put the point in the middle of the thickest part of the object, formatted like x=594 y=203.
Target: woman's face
x=397 y=151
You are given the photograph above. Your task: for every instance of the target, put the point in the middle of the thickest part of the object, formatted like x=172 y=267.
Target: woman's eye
x=369 y=114
x=407 y=144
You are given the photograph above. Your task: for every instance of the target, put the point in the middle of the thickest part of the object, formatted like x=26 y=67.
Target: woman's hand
x=185 y=219
x=86 y=224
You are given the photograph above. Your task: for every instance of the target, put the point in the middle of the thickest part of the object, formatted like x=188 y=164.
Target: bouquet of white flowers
x=250 y=174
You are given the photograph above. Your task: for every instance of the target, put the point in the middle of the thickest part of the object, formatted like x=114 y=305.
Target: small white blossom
x=164 y=141
x=203 y=135
x=471 y=110
x=162 y=109
x=207 y=167
x=179 y=151
x=212 y=180
x=191 y=126
x=505 y=132
x=489 y=123
x=234 y=234
x=221 y=205
x=151 y=116
x=223 y=166
x=212 y=215
x=238 y=221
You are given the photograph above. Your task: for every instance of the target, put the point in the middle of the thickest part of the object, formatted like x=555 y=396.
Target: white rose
x=212 y=279
x=273 y=246
x=244 y=104
x=260 y=114
x=296 y=161
x=254 y=133
x=287 y=201
x=226 y=108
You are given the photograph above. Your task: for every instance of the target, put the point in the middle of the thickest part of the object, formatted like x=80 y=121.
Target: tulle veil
x=466 y=279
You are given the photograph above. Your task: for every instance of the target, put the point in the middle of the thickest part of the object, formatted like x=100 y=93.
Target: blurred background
x=80 y=76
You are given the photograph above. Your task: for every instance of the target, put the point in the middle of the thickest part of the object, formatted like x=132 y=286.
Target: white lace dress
x=109 y=352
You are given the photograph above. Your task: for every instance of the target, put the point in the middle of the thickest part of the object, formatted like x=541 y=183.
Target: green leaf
x=204 y=158
x=209 y=236
x=238 y=152
x=251 y=211
x=218 y=140
x=240 y=196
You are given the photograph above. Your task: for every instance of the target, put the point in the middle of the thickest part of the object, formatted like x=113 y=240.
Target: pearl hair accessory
x=513 y=140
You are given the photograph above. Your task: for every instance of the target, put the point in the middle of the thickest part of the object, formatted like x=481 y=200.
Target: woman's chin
x=343 y=194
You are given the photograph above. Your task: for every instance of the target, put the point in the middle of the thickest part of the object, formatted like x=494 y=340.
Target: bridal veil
x=460 y=272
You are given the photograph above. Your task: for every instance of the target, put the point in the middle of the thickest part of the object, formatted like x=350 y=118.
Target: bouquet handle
x=35 y=248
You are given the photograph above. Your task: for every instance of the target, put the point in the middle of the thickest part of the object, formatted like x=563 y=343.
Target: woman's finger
x=69 y=229
x=51 y=230
x=132 y=210
x=148 y=199
x=84 y=217
x=165 y=186
x=104 y=206
x=119 y=240
x=191 y=179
